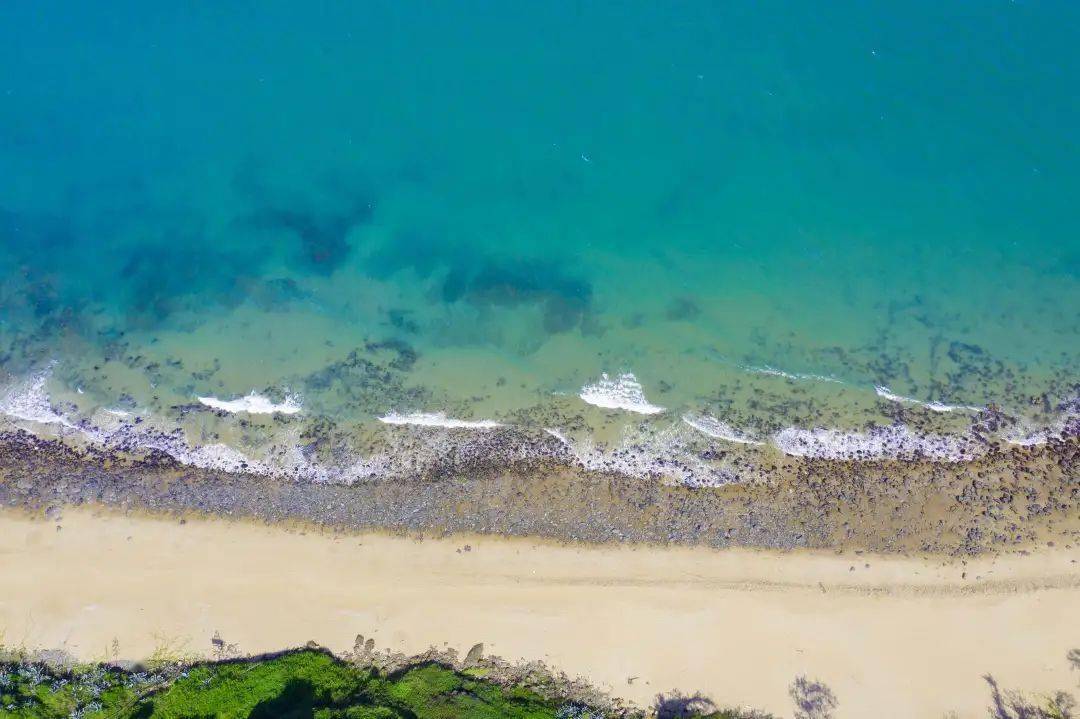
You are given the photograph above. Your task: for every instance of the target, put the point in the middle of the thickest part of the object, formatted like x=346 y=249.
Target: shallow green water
x=480 y=208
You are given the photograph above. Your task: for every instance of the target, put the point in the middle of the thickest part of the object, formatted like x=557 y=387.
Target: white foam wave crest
x=438 y=419
x=717 y=429
x=676 y=453
x=647 y=455
x=1026 y=434
x=559 y=435
x=885 y=393
x=892 y=442
x=624 y=392
x=29 y=401
x=253 y=403
x=216 y=456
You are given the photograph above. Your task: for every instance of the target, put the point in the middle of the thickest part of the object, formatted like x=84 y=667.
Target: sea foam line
x=666 y=453
x=253 y=403
x=892 y=442
x=644 y=454
x=773 y=372
x=880 y=390
x=624 y=392
x=885 y=393
x=717 y=429
x=438 y=419
x=29 y=401
x=1027 y=435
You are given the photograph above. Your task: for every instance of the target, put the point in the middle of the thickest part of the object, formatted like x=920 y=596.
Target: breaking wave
x=885 y=393
x=438 y=419
x=680 y=451
x=253 y=404
x=623 y=392
x=717 y=429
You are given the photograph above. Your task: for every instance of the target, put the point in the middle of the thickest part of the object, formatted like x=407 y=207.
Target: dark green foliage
x=298 y=685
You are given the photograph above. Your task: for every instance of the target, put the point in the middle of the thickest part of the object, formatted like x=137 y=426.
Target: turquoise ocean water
x=818 y=226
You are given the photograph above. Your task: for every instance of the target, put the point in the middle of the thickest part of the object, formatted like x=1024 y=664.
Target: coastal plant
x=222 y=649
x=1007 y=704
x=678 y=705
x=813 y=699
x=169 y=652
x=1015 y=705
x=41 y=691
x=577 y=711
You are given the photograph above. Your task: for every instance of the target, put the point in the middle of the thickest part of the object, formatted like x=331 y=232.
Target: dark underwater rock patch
x=466 y=274
x=316 y=220
x=564 y=299
x=370 y=380
x=322 y=237
x=682 y=309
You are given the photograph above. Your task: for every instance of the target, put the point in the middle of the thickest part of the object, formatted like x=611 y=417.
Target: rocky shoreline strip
x=1012 y=499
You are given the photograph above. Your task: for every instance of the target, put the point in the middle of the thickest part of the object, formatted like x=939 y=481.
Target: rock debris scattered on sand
x=1010 y=499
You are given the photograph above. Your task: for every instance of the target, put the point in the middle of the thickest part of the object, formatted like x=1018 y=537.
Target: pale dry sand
x=900 y=638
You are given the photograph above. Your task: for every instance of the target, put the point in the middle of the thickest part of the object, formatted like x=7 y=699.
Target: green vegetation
x=307 y=684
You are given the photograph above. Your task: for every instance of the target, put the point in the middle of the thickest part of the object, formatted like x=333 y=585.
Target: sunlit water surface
x=821 y=228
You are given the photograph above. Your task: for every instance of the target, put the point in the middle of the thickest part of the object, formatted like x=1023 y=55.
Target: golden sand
x=891 y=636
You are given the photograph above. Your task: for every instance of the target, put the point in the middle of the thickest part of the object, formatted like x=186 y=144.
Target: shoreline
x=1018 y=501
x=928 y=628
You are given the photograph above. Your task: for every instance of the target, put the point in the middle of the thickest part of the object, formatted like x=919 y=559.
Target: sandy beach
x=891 y=636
